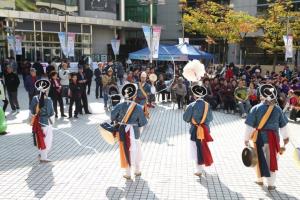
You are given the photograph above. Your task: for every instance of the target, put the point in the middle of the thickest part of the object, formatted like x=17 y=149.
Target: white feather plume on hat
x=194 y=71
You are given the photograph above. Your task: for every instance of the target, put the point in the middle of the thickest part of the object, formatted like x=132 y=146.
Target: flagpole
x=151 y=32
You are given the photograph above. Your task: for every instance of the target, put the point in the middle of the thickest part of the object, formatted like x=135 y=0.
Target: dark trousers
x=59 y=100
x=165 y=94
x=89 y=83
x=84 y=102
x=30 y=96
x=229 y=103
x=5 y=104
x=179 y=99
x=99 y=86
x=13 y=100
x=294 y=114
x=77 y=106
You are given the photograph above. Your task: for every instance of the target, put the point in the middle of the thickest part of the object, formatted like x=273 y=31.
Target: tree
x=216 y=21
x=272 y=26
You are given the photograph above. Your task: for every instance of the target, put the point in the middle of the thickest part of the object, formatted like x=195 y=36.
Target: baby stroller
x=114 y=97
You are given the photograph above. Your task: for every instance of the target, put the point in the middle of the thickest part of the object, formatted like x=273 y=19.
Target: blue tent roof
x=193 y=53
x=165 y=52
x=181 y=52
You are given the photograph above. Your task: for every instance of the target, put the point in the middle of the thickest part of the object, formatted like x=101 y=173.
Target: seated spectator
x=227 y=93
x=252 y=93
x=241 y=96
x=295 y=105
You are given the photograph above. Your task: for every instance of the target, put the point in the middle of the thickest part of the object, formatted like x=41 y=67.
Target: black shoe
x=97 y=97
x=70 y=117
x=101 y=97
x=87 y=113
x=63 y=115
x=56 y=116
x=76 y=116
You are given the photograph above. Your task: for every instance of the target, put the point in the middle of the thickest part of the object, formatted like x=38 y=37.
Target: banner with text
x=115 y=44
x=62 y=41
x=147 y=33
x=18 y=45
x=71 y=44
x=11 y=42
x=288 y=43
x=156 y=38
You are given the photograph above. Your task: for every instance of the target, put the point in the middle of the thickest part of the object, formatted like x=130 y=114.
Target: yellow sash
x=124 y=163
x=200 y=130
x=142 y=90
x=262 y=123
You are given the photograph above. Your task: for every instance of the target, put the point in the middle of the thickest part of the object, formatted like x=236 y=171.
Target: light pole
x=151 y=3
x=66 y=31
x=182 y=5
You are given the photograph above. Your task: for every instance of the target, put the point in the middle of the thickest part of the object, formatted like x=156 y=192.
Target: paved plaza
x=85 y=167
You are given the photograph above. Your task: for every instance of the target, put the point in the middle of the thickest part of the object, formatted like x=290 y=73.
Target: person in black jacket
x=55 y=93
x=82 y=82
x=12 y=82
x=74 y=95
x=88 y=76
x=38 y=68
x=98 y=79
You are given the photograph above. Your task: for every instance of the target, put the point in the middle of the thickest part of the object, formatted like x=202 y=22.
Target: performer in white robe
x=42 y=110
x=263 y=125
x=130 y=117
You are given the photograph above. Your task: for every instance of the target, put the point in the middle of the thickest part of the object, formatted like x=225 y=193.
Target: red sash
x=274 y=148
x=39 y=134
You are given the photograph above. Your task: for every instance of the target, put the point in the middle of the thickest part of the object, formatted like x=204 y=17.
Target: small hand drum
x=249 y=157
x=108 y=133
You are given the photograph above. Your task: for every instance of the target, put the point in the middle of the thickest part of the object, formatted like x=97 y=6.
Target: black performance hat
x=268 y=91
x=199 y=91
x=42 y=85
x=129 y=90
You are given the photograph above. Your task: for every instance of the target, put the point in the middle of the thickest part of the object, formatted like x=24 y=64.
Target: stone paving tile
x=85 y=167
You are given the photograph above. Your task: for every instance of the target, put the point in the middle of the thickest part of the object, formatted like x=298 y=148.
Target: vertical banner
x=147 y=33
x=115 y=44
x=288 y=43
x=71 y=44
x=18 y=45
x=62 y=41
x=156 y=38
x=11 y=41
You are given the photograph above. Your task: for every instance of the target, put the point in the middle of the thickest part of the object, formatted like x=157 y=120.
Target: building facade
x=94 y=22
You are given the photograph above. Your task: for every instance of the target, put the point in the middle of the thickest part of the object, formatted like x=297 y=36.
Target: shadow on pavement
x=135 y=189
x=212 y=182
x=40 y=179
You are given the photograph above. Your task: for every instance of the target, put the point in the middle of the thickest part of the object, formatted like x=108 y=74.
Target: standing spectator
x=98 y=73
x=55 y=93
x=25 y=69
x=12 y=83
x=13 y=64
x=3 y=93
x=107 y=81
x=227 y=92
x=241 y=96
x=180 y=91
x=38 y=68
x=29 y=84
x=229 y=73
x=161 y=88
x=287 y=73
x=82 y=83
x=75 y=96
x=49 y=69
x=120 y=72
x=64 y=75
x=88 y=73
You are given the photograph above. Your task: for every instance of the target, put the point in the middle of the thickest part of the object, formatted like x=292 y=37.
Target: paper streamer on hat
x=194 y=71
